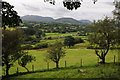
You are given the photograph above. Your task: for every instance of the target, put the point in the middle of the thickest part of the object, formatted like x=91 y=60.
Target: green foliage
x=56 y=27
x=11 y=47
x=39 y=33
x=27 y=47
x=116 y=12
x=10 y=17
x=31 y=40
x=56 y=52
x=69 y=41
x=103 y=36
x=40 y=45
x=78 y=40
x=29 y=31
x=24 y=60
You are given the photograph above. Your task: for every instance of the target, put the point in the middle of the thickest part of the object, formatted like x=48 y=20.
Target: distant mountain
x=85 y=21
x=36 y=18
x=67 y=20
x=50 y=19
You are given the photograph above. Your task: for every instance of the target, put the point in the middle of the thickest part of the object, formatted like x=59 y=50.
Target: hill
x=67 y=20
x=37 y=18
x=85 y=21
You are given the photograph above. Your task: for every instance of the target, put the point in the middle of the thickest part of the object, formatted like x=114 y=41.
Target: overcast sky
x=88 y=10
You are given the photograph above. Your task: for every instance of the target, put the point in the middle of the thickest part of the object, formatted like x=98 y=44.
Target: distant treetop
x=70 y=4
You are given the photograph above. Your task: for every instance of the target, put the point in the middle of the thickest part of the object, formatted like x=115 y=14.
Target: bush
x=41 y=45
x=31 y=40
x=90 y=47
x=49 y=38
x=69 y=41
x=79 y=40
x=27 y=47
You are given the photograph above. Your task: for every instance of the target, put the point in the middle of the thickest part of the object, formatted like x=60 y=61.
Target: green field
x=59 y=37
x=59 y=34
x=73 y=59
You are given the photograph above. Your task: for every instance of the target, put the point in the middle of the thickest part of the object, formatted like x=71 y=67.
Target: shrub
x=49 y=38
x=27 y=47
x=90 y=47
x=41 y=45
x=79 y=40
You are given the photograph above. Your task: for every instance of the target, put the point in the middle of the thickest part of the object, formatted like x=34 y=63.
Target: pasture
x=73 y=64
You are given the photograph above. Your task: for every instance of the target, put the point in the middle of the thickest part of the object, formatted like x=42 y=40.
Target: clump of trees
x=56 y=27
x=71 y=41
x=40 y=45
x=56 y=52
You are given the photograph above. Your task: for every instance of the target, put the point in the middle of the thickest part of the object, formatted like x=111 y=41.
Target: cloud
x=30 y=7
x=88 y=10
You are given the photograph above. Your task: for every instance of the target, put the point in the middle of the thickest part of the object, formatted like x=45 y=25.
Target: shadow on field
x=62 y=68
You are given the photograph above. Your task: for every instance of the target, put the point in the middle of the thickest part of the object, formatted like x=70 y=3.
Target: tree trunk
x=57 y=64
x=26 y=69
x=7 y=69
x=103 y=60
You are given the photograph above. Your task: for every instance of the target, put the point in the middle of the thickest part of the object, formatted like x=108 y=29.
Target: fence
x=65 y=65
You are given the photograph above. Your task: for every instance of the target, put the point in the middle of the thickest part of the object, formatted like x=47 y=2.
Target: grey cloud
x=108 y=3
x=30 y=7
x=61 y=11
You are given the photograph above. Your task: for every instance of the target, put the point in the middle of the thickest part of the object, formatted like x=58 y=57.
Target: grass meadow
x=89 y=69
x=73 y=59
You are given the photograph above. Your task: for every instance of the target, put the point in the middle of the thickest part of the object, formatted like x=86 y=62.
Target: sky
x=87 y=11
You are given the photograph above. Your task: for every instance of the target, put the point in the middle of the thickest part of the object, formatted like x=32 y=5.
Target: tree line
x=52 y=27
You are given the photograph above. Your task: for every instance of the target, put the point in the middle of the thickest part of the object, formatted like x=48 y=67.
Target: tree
x=11 y=47
x=103 y=37
x=56 y=52
x=29 y=31
x=116 y=13
x=69 y=41
x=78 y=40
x=39 y=34
x=69 y=4
x=10 y=17
x=24 y=60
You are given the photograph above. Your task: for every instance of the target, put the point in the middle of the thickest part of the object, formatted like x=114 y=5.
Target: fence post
x=17 y=70
x=48 y=65
x=32 y=68
x=114 y=59
x=81 y=62
x=65 y=64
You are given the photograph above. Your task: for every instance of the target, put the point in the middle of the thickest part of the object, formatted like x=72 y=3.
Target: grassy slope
x=57 y=36
x=72 y=57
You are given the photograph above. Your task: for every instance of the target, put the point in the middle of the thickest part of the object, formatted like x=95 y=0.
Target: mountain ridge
x=50 y=19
